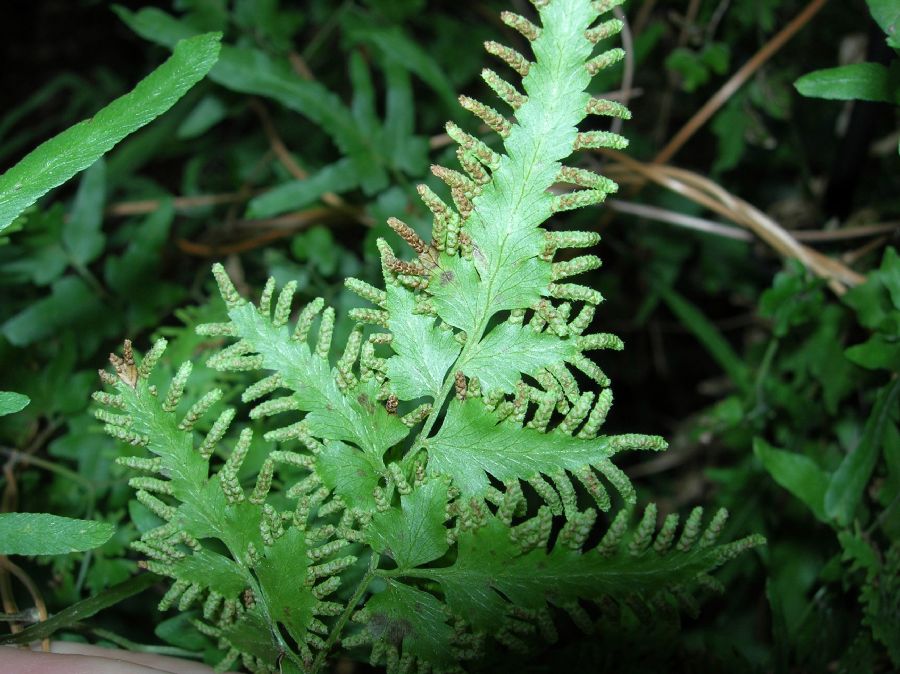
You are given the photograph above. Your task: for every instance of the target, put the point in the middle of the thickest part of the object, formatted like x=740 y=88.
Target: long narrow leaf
x=82 y=610
x=76 y=148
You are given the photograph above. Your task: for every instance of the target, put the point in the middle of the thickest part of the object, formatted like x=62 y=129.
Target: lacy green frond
x=451 y=448
x=507 y=576
x=271 y=569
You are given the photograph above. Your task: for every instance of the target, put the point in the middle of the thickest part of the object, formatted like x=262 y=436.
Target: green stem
x=761 y=377
x=345 y=615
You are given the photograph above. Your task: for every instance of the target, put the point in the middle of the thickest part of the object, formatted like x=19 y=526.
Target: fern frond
x=468 y=371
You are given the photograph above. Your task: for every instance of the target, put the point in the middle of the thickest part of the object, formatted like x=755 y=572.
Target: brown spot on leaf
x=366 y=402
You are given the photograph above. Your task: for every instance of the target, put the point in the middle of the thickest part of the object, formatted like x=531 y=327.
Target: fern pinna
x=438 y=485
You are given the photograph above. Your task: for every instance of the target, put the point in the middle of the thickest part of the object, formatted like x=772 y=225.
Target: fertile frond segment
x=267 y=568
x=507 y=576
x=451 y=445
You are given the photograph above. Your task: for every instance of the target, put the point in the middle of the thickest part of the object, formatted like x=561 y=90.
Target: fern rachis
x=448 y=443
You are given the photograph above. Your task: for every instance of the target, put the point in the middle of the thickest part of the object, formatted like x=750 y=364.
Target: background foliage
x=777 y=390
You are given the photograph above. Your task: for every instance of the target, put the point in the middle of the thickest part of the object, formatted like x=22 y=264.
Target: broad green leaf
x=889 y=274
x=797 y=473
x=858 y=551
x=509 y=351
x=423 y=351
x=129 y=271
x=795 y=298
x=471 y=445
x=82 y=234
x=858 y=81
x=851 y=478
x=338 y=177
x=457 y=291
x=879 y=352
x=76 y=148
x=11 y=402
x=317 y=246
x=82 y=610
x=405 y=616
x=45 y=534
x=716 y=345
x=887 y=15
x=415 y=533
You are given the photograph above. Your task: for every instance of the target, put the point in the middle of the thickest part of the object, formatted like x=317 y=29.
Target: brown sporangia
x=460 y=385
x=391 y=404
x=404 y=267
x=125 y=368
x=409 y=235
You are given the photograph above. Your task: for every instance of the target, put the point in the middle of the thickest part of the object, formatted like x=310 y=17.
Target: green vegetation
x=402 y=451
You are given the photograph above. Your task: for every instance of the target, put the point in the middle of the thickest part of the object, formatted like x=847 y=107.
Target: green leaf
x=509 y=351
x=10 y=402
x=887 y=14
x=716 y=345
x=338 y=177
x=78 y=147
x=179 y=632
x=288 y=599
x=45 y=534
x=395 y=45
x=423 y=352
x=363 y=105
x=408 y=152
x=82 y=234
x=205 y=115
x=491 y=572
x=141 y=259
x=210 y=569
x=415 y=533
x=70 y=303
x=253 y=634
x=858 y=81
x=795 y=298
x=250 y=71
x=878 y=353
x=405 y=616
x=356 y=418
x=689 y=66
x=851 y=478
x=82 y=610
x=505 y=224
x=350 y=473
x=471 y=445
x=797 y=473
